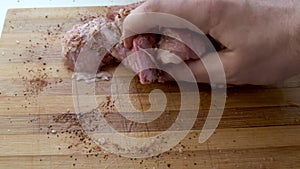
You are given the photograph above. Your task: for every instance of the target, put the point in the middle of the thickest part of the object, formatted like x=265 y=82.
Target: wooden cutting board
x=260 y=127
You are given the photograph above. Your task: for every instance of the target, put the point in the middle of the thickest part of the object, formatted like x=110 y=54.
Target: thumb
x=156 y=13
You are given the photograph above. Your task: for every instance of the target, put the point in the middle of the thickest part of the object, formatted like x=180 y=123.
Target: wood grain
x=260 y=127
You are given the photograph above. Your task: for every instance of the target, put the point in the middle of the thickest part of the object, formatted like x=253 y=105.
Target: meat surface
x=75 y=40
x=95 y=44
x=143 y=59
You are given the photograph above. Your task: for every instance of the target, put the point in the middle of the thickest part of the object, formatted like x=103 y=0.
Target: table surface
x=260 y=127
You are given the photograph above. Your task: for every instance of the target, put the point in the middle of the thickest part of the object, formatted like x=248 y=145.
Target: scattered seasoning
x=53 y=131
x=18 y=42
x=70 y=124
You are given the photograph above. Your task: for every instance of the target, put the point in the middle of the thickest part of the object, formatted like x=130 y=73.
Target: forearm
x=294 y=43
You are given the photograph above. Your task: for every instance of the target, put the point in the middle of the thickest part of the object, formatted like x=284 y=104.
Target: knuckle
x=214 y=9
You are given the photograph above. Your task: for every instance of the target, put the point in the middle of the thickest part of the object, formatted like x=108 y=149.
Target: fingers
x=195 y=72
x=192 y=14
x=214 y=68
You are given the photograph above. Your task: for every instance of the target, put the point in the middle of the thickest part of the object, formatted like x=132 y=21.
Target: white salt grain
x=220 y=86
x=105 y=78
x=53 y=131
x=2 y=53
x=18 y=42
x=180 y=150
x=101 y=141
x=213 y=85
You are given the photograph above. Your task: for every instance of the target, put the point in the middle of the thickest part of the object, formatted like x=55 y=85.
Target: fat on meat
x=180 y=42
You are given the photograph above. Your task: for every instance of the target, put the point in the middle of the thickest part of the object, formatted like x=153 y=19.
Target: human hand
x=261 y=37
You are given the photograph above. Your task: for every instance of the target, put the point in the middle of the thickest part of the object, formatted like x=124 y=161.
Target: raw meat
x=75 y=40
x=93 y=39
x=141 y=59
x=100 y=37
